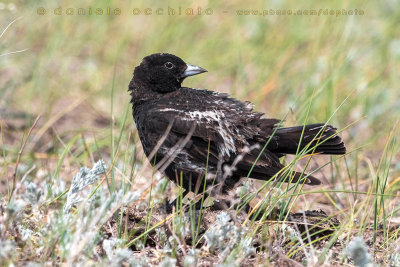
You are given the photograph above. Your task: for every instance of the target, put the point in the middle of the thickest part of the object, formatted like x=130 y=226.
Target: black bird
x=192 y=133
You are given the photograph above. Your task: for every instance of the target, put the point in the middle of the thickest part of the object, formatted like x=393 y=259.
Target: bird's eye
x=169 y=65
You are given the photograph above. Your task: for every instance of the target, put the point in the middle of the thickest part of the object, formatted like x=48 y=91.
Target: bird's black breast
x=149 y=135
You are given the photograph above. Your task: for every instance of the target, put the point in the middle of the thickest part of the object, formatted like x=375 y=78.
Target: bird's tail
x=320 y=138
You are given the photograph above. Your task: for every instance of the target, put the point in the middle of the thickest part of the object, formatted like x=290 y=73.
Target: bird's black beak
x=192 y=70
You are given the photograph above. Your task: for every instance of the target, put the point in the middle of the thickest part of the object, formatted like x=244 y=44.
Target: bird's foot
x=171 y=207
x=225 y=204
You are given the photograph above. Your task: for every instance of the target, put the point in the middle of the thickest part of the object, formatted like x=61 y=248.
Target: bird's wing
x=220 y=126
x=218 y=112
x=204 y=139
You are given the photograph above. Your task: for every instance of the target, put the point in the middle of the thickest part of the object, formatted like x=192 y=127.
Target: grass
x=74 y=71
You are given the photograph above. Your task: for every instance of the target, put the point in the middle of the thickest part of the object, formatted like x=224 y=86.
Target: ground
x=76 y=188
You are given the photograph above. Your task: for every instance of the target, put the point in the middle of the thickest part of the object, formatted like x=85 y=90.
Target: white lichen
x=84 y=178
x=229 y=240
x=358 y=251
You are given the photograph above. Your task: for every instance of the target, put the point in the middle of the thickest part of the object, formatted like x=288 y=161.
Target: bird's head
x=163 y=72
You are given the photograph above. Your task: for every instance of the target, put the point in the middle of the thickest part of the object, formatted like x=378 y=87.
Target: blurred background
x=64 y=74
x=73 y=69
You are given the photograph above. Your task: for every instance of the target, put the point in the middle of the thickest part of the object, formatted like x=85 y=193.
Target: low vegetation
x=76 y=188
